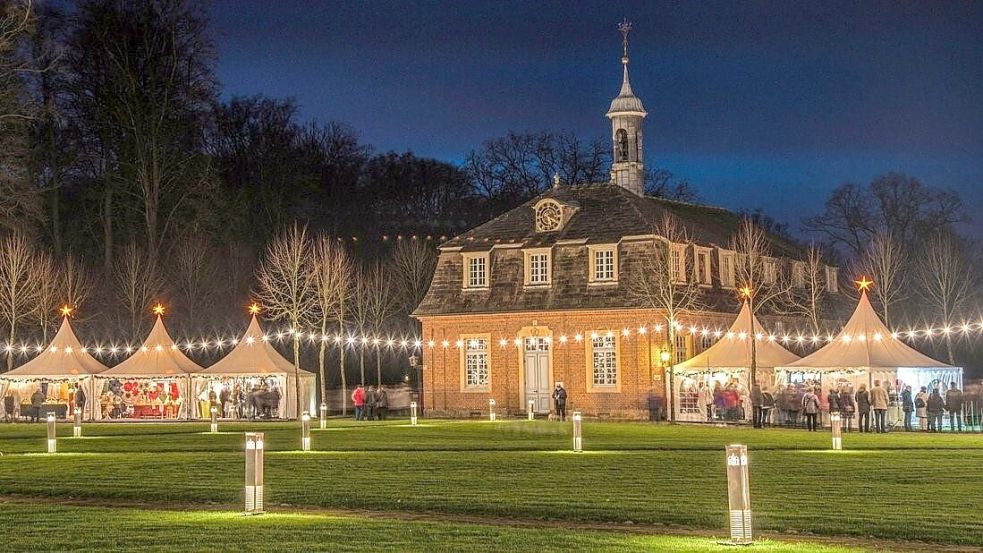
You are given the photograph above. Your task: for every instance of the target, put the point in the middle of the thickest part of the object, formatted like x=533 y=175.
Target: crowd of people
x=260 y=400
x=370 y=403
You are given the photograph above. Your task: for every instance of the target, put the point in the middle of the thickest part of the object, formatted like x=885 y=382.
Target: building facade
x=546 y=293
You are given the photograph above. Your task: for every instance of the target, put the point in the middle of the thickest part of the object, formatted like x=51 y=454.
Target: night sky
x=760 y=104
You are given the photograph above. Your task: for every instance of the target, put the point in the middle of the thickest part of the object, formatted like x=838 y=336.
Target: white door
x=537 y=372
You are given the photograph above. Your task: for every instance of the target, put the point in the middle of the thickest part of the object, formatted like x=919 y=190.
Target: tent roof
x=63 y=358
x=159 y=356
x=734 y=352
x=864 y=341
x=253 y=355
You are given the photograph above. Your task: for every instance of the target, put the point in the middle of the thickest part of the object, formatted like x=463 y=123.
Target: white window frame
x=727 y=265
x=681 y=351
x=832 y=281
x=528 y=269
x=701 y=275
x=798 y=274
x=678 y=270
x=592 y=269
x=468 y=283
x=476 y=363
x=604 y=360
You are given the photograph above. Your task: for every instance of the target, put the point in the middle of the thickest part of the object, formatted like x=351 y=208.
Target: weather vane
x=625 y=28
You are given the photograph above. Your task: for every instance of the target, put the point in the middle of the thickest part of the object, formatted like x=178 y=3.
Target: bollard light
x=529 y=411
x=324 y=416
x=413 y=413
x=52 y=436
x=739 y=495
x=254 y=473
x=837 y=426
x=305 y=432
x=491 y=410
x=578 y=442
x=77 y=429
x=214 y=427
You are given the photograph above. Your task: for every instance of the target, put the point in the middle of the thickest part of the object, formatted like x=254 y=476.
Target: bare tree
x=945 y=278
x=382 y=306
x=287 y=287
x=138 y=280
x=884 y=260
x=333 y=284
x=805 y=298
x=194 y=274
x=759 y=277
x=360 y=315
x=75 y=281
x=664 y=282
x=413 y=264
x=48 y=284
x=18 y=291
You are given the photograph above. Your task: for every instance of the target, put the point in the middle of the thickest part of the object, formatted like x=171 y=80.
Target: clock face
x=548 y=217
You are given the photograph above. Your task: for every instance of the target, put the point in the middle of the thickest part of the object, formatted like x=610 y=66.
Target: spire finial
x=625 y=28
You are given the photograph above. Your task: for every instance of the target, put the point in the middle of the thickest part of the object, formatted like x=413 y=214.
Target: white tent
x=162 y=364
x=864 y=351
x=254 y=362
x=729 y=359
x=64 y=364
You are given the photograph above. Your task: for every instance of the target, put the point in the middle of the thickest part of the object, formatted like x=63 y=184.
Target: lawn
x=894 y=486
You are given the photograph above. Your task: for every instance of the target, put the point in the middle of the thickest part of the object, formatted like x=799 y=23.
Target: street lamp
x=413 y=413
x=254 y=473
x=305 y=432
x=77 y=429
x=214 y=425
x=324 y=416
x=491 y=410
x=52 y=435
x=837 y=427
x=529 y=411
x=739 y=495
x=578 y=442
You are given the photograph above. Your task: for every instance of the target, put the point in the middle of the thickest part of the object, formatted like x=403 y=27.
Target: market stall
x=155 y=382
x=715 y=384
x=866 y=351
x=62 y=373
x=254 y=381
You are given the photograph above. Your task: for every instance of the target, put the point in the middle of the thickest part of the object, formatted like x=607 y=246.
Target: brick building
x=542 y=294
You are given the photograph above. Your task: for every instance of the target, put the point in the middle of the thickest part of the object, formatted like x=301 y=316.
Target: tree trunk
x=344 y=378
x=378 y=366
x=361 y=364
x=322 y=374
x=671 y=381
x=107 y=230
x=297 y=368
x=10 y=352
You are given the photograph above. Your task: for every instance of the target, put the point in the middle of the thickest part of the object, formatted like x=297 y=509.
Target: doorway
x=537 y=373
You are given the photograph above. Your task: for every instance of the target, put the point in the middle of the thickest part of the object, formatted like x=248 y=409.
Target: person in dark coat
x=833 y=401
x=935 y=406
x=811 y=408
x=560 y=401
x=381 y=404
x=37 y=399
x=954 y=404
x=907 y=406
x=793 y=403
x=80 y=399
x=847 y=407
x=863 y=409
x=369 y=402
x=756 y=399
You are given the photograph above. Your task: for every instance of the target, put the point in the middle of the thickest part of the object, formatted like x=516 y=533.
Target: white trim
x=526 y=268
x=468 y=257
x=592 y=252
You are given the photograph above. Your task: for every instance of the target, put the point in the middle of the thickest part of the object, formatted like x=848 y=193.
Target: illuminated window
x=605 y=360
x=682 y=352
x=476 y=363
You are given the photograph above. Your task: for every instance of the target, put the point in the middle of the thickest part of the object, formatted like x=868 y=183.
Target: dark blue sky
x=768 y=104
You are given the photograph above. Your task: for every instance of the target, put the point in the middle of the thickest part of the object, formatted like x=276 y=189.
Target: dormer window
x=603 y=264
x=476 y=270
x=549 y=216
x=538 y=267
x=701 y=266
x=677 y=262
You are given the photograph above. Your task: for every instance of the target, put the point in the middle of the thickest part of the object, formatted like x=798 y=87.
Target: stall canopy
x=254 y=356
x=63 y=360
x=734 y=352
x=159 y=358
x=867 y=348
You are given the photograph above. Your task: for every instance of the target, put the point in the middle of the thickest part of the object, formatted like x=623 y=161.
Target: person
x=381 y=403
x=935 y=406
x=8 y=408
x=767 y=404
x=907 y=406
x=223 y=399
x=704 y=400
x=921 y=409
x=794 y=404
x=780 y=408
x=79 y=399
x=358 y=398
x=756 y=405
x=369 y=404
x=833 y=401
x=847 y=406
x=732 y=402
x=37 y=399
x=879 y=401
x=719 y=403
x=954 y=403
x=863 y=409
x=811 y=408
x=560 y=401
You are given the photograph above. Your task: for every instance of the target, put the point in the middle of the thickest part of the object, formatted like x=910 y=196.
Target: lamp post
x=77 y=429
x=413 y=413
x=52 y=435
x=739 y=495
x=491 y=410
x=529 y=410
x=214 y=425
x=254 y=473
x=837 y=427
x=324 y=416
x=305 y=432
x=578 y=442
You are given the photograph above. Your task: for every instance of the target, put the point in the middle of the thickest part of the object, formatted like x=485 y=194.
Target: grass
x=894 y=486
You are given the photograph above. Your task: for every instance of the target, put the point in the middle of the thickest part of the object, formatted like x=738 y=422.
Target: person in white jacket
x=704 y=400
x=921 y=408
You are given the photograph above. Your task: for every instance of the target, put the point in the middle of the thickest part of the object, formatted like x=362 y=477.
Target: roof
x=159 y=356
x=626 y=101
x=864 y=341
x=63 y=358
x=732 y=351
x=604 y=213
x=252 y=355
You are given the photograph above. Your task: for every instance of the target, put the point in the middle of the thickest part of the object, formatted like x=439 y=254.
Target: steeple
x=626 y=115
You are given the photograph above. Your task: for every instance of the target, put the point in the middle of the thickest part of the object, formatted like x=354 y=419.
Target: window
x=677 y=262
x=603 y=263
x=770 y=269
x=682 y=352
x=622 y=139
x=476 y=373
x=701 y=268
x=706 y=341
x=832 y=286
x=727 y=269
x=798 y=274
x=604 y=352
x=476 y=270
x=538 y=268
